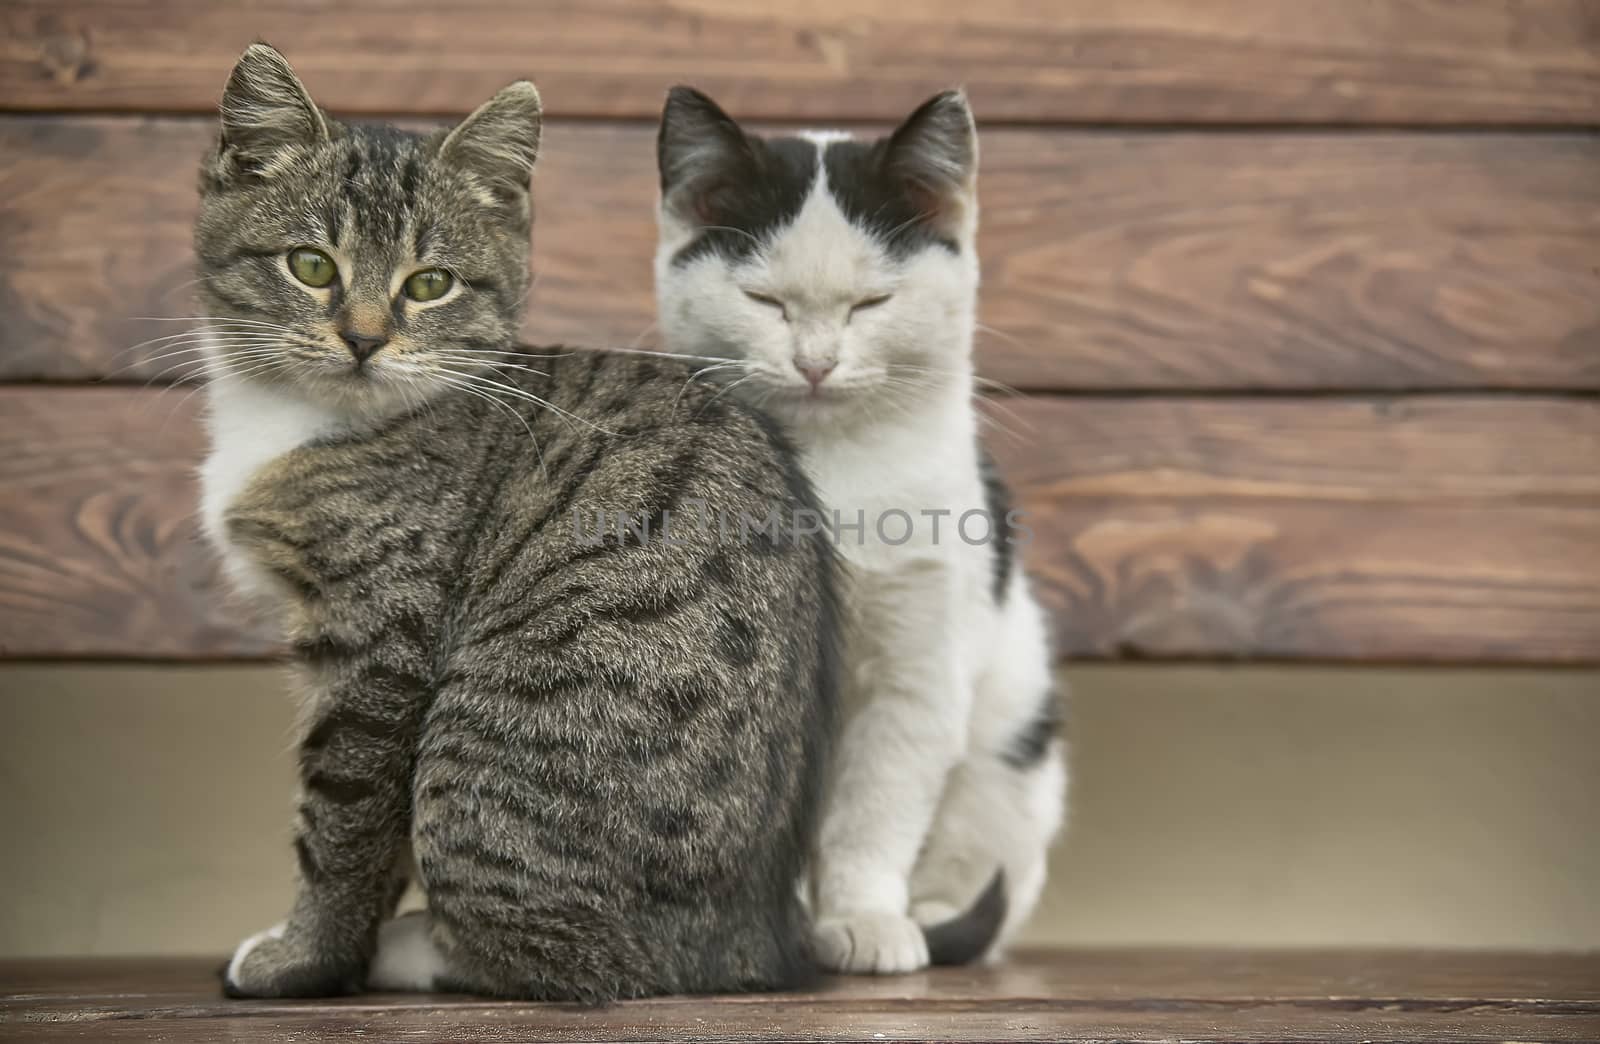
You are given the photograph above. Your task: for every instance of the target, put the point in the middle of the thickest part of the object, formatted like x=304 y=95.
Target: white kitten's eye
x=769 y=301
x=869 y=302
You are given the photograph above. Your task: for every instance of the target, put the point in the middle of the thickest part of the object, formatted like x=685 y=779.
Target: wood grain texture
x=1112 y=260
x=1390 y=530
x=1408 y=530
x=1109 y=977
x=1232 y=61
x=99 y=551
x=1069 y=995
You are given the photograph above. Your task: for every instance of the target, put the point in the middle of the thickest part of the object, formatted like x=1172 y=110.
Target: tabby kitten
x=599 y=749
x=839 y=279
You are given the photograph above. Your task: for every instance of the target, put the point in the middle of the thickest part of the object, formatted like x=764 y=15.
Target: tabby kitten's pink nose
x=816 y=373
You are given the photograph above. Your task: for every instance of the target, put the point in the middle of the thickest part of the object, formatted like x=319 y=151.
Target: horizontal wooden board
x=1041 y=996
x=1093 y=977
x=1231 y=61
x=1112 y=260
x=1405 y=530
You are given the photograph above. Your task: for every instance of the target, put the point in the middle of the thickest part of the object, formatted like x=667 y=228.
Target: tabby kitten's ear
x=933 y=155
x=500 y=142
x=266 y=114
x=702 y=155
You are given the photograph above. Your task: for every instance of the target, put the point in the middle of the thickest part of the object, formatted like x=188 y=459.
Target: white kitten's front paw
x=407 y=960
x=871 y=943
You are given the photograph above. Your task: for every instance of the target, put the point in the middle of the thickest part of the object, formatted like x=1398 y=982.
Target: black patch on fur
x=965 y=937
x=878 y=203
x=1002 y=535
x=1029 y=746
x=748 y=203
x=742 y=188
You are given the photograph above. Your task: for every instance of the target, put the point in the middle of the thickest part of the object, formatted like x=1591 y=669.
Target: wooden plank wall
x=1301 y=300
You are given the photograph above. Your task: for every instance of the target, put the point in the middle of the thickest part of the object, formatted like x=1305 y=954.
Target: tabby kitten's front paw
x=871 y=943
x=274 y=963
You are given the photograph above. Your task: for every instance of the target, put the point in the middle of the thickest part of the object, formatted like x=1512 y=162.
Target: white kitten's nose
x=816 y=373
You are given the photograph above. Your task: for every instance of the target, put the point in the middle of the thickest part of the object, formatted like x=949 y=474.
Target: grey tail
x=965 y=937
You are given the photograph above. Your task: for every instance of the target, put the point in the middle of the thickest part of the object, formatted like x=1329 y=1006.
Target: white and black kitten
x=838 y=278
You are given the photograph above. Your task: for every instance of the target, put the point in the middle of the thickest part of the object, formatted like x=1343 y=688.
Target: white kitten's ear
x=500 y=141
x=934 y=153
x=266 y=113
x=701 y=153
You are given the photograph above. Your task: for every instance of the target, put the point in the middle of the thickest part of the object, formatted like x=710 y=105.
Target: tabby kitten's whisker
x=513 y=390
x=187 y=337
x=661 y=354
x=490 y=398
x=204 y=367
x=219 y=320
x=696 y=376
x=724 y=390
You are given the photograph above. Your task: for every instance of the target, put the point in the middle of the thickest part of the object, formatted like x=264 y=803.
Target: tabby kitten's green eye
x=312 y=267
x=430 y=284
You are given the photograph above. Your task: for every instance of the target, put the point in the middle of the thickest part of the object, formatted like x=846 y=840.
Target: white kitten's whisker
x=642 y=335
x=996 y=404
x=999 y=386
x=996 y=331
x=914 y=219
x=729 y=228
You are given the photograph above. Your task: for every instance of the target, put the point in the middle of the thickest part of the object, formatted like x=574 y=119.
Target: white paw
x=275 y=932
x=877 y=943
x=407 y=960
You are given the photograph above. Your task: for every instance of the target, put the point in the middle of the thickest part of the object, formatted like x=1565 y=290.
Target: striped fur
x=600 y=758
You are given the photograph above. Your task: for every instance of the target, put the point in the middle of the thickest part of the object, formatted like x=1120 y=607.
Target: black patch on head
x=1002 y=535
x=1029 y=746
x=877 y=202
x=905 y=189
x=752 y=198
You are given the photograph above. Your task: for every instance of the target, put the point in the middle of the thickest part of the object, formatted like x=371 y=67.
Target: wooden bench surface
x=1191 y=995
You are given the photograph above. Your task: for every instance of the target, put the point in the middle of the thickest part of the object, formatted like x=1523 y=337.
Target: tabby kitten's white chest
x=251 y=425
